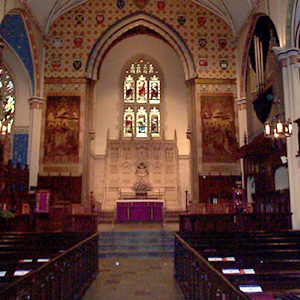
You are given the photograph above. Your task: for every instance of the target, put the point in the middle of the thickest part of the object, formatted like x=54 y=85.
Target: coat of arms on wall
x=78 y=41
x=203 y=63
x=79 y=18
x=223 y=63
x=120 y=4
x=219 y=141
x=202 y=41
x=57 y=41
x=99 y=18
x=77 y=64
x=161 y=5
x=201 y=19
x=222 y=42
x=140 y=3
x=181 y=19
x=56 y=63
x=61 y=144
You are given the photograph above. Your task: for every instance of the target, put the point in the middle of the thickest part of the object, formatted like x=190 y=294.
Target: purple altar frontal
x=140 y=210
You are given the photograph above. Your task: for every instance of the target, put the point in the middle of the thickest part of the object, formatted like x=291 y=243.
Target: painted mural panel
x=61 y=143
x=219 y=141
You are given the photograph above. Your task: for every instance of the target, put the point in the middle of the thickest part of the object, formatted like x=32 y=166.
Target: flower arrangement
x=141 y=186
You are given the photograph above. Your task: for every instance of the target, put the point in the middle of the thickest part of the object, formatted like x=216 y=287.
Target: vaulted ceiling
x=234 y=12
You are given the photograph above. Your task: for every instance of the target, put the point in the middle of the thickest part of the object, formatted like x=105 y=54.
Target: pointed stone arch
x=292 y=24
x=126 y=168
x=115 y=32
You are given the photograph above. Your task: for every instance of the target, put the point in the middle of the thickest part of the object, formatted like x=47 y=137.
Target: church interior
x=124 y=119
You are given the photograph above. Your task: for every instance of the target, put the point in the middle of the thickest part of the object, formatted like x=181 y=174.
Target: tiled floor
x=135 y=278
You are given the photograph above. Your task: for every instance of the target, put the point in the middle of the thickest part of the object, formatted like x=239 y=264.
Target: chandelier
x=278 y=127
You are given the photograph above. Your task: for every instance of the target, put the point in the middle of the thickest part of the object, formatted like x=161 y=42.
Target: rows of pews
x=241 y=265
x=45 y=266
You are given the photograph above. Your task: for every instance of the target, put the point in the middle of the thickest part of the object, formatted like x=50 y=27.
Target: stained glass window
x=141 y=101
x=129 y=89
x=141 y=90
x=7 y=99
x=128 y=122
x=141 y=122
x=155 y=122
x=154 y=90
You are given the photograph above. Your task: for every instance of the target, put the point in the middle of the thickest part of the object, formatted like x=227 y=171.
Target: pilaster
x=36 y=106
x=291 y=91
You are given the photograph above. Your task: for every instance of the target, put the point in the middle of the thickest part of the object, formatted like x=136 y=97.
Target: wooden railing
x=65 y=277
x=198 y=279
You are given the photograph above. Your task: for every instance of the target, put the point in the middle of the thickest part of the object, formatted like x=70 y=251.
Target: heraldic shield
x=140 y=3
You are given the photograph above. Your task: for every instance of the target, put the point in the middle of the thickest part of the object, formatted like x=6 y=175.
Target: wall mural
x=61 y=143
x=219 y=141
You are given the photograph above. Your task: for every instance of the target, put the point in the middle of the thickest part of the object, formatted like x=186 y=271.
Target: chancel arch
x=142 y=20
x=133 y=148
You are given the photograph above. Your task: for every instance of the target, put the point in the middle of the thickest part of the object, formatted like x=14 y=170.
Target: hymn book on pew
x=21 y=272
x=221 y=259
x=250 y=288
x=238 y=271
x=26 y=260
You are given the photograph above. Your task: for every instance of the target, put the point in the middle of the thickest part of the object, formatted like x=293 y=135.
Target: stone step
x=139 y=247
x=139 y=244
x=134 y=236
x=106 y=217
x=116 y=254
x=172 y=216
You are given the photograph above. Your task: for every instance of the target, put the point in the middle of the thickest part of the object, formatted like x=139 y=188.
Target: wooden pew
x=267 y=260
x=70 y=259
x=231 y=222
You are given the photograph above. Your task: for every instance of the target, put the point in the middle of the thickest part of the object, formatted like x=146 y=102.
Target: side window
x=7 y=100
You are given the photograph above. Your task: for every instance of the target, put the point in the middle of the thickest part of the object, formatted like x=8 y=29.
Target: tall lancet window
x=7 y=99
x=141 y=101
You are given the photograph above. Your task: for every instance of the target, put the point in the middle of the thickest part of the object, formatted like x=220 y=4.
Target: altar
x=140 y=210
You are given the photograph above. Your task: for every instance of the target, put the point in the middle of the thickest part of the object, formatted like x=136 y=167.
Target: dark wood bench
x=230 y=222
x=67 y=258
x=272 y=257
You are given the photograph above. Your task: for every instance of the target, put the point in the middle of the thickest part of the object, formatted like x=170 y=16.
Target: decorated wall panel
x=20 y=149
x=218 y=133
x=74 y=34
x=61 y=144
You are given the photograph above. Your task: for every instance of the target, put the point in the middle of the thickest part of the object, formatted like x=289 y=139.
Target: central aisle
x=135 y=278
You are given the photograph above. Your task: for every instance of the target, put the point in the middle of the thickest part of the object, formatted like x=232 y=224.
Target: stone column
x=88 y=136
x=36 y=105
x=191 y=134
x=291 y=91
x=243 y=131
